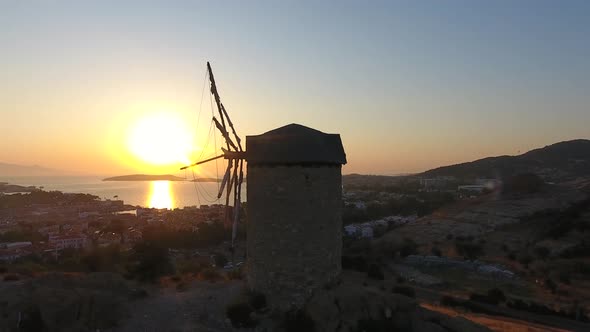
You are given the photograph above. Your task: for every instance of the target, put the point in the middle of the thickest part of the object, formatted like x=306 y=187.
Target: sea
x=152 y=194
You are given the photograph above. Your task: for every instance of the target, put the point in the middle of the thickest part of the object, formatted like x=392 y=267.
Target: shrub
x=375 y=325
x=525 y=260
x=404 y=290
x=256 y=300
x=450 y=301
x=436 y=251
x=181 y=286
x=497 y=294
x=550 y=285
x=482 y=298
x=235 y=274
x=565 y=278
x=375 y=272
x=11 y=277
x=220 y=260
x=188 y=266
x=239 y=315
x=542 y=252
x=210 y=274
x=579 y=250
x=409 y=247
x=296 y=321
x=152 y=261
x=356 y=263
x=468 y=249
x=522 y=183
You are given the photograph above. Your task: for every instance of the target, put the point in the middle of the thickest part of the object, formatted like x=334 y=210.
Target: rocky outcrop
x=352 y=307
x=58 y=302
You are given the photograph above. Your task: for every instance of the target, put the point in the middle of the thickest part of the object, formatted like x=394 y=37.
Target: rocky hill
x=558 y=162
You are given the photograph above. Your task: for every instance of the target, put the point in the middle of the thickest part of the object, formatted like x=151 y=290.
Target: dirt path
x=200 y=308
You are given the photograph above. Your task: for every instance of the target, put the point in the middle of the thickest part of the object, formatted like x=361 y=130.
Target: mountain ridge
x=560 y=161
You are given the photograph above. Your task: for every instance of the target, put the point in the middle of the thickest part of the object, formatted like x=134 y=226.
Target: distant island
x=145 y=177
x=6 y=187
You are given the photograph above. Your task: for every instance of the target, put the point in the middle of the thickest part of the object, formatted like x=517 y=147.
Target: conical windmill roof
x=295 y=144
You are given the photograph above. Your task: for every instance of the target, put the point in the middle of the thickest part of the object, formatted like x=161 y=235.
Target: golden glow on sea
x=160 y=196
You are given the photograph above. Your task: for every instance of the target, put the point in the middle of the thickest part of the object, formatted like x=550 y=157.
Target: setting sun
x=160 y=139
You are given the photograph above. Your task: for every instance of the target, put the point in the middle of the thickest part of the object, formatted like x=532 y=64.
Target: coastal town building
x=75 y=241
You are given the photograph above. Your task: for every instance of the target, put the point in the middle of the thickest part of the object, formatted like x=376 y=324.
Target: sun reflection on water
x=160 y=195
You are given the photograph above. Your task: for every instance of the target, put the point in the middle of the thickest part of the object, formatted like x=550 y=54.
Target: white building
x=76 y=241
x=367 y=232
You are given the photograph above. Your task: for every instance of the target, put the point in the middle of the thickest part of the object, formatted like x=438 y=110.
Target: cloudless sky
x=409 y=85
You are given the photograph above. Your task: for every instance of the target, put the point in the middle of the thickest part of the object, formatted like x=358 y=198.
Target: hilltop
x=558 y=162
x=7 y=169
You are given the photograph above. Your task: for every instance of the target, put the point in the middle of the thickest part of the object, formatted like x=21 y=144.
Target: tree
x=152 y=261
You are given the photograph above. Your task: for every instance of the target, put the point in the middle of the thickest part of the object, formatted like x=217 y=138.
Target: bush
x=550 y=285
x=220 y=260
x=436 y=251
x=256 y=300
x=450 y=301
x=468 y=249
x=375 y=325
x=375 y=272
x=181 y=286
x=210 y=274
x=239 y=315
x=296 y=321
x=409 y=247
x=542 y=252
x=497 y=295
x=525 y=260
x=235 y=274
x=404 y=290
x=11 y=277
x=188 y=266
x=565 y=278
x=356 y=263
x=483 y=298
x=579 y=250
x=522 y=183
x=152 y=261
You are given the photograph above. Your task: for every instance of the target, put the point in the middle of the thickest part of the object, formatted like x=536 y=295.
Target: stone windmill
x=294 y=231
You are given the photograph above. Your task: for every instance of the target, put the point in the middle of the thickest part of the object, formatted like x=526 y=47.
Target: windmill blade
x=230 y=185
x=215 y=93
x=202 y=162
x=225 y=134
x=225 y=178
x=237 y=203
x=231 y=125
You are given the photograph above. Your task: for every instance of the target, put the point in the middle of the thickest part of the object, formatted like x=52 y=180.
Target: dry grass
x=500 y=324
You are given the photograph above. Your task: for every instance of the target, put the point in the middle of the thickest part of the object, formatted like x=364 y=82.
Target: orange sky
x=408 y=87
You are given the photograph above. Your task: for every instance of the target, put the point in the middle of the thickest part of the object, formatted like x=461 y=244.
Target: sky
x=409 y=85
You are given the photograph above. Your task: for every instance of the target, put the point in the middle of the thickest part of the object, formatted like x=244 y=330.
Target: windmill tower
x=294 y=231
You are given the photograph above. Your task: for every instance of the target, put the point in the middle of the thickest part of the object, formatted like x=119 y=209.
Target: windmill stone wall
x=294 y=213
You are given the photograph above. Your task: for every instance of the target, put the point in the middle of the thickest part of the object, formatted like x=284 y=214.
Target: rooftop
x=295 y=144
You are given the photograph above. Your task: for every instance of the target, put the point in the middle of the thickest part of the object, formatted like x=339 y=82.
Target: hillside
x=558 y=162
x=7 y=170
